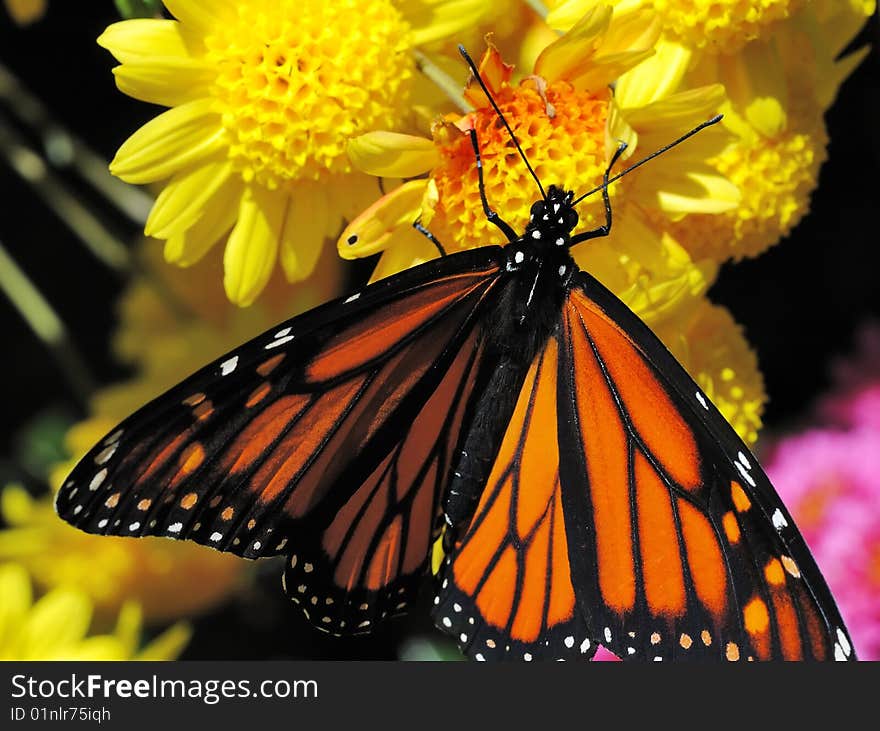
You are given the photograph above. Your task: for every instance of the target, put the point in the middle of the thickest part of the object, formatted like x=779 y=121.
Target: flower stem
x=46 y=325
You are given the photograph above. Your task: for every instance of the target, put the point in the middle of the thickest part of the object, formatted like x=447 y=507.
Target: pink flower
x=830 y=481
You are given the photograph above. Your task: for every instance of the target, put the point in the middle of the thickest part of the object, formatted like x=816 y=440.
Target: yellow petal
x=617 y=130
x=408 y=249
x=393 y=154
x=604 y=69
x=166 y=81
x=574 y=50
x=756 y=85
x=57 y=621
x=15 y=588
x=566 y=14
x=303 y=234
x=181 y=202
x=168 y=645
x=144 y=39
x=202 y=15
x=678 y=112
x=372 y=231
x=636 y=28
x=655 y=78
x=101 y=647
x=253 y=244
x=218 y=217
x=170 y=142
x=699 y=189
x=433 y=20
x=352 y=193
x=128 y=626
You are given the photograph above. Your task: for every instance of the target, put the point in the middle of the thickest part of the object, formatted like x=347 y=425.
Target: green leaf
x=139 y=8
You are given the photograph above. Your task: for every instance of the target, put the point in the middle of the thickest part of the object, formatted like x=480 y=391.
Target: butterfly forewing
x=689 y=551
x=326 y=438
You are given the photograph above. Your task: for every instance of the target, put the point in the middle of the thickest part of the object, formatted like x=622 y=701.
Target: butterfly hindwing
x=505 y=591
x=680 y=547
x=330 y=431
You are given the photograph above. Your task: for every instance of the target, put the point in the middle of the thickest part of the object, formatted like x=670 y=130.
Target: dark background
x=799 y=303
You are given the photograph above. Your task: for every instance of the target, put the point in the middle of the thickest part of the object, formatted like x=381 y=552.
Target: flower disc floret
x=721 y=25
x=563 y=131
x=296 y=80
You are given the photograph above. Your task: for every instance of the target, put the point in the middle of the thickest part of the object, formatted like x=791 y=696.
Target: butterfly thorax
x=539 y=267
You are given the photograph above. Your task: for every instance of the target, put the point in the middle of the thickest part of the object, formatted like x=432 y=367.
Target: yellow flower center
x=721 y=25
x=776 y=177
x=564 y=139
x=297 y=79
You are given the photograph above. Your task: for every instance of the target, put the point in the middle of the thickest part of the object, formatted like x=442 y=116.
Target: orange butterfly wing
x=689 y=553
x=506 y=590
x=327 y=439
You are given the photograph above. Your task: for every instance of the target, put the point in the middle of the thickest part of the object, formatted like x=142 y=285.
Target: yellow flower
x=568 y=123
x=56 y=626
x=717 y=26
x=264 y=95
x=25 y=11
x=778 y=90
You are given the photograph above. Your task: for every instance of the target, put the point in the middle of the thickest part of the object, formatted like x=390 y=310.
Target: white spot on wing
x=779 y=521
x=105 y=454
x=134 y=526
x=585 y=645
x=742 y=458
x=227 y=366
x=175 y=527
x=280 y=341
x=844 y=642
x=215 y=536
x=839 y=654
x=536 y=234
x=607 y=634
x=97 y=480
x=114 y=437
x=353 y=297
x=745 y=475
x=283 y=333
x=519 y=257
x=702 y=400
x=569 y=641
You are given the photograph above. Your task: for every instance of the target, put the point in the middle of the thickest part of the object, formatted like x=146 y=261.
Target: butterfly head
x=552 y=219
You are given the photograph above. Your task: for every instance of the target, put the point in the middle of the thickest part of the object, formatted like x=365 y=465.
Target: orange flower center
x=562 y=132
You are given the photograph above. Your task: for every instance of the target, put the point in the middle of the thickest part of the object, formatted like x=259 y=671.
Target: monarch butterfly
x=586 y=490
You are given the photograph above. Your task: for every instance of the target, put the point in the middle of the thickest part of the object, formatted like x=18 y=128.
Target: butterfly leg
x=417 y=225
x=605 y=229
x=490 y=214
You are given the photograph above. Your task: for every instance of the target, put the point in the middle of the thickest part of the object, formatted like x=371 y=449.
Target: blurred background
x=808 y=306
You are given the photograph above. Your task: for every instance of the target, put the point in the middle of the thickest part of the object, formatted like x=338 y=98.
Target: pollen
x=568 y=148
x=721 y=25
x=295 y=80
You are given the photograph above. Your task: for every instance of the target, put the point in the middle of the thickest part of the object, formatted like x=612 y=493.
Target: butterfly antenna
x=476 y=73
x=707 y=123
